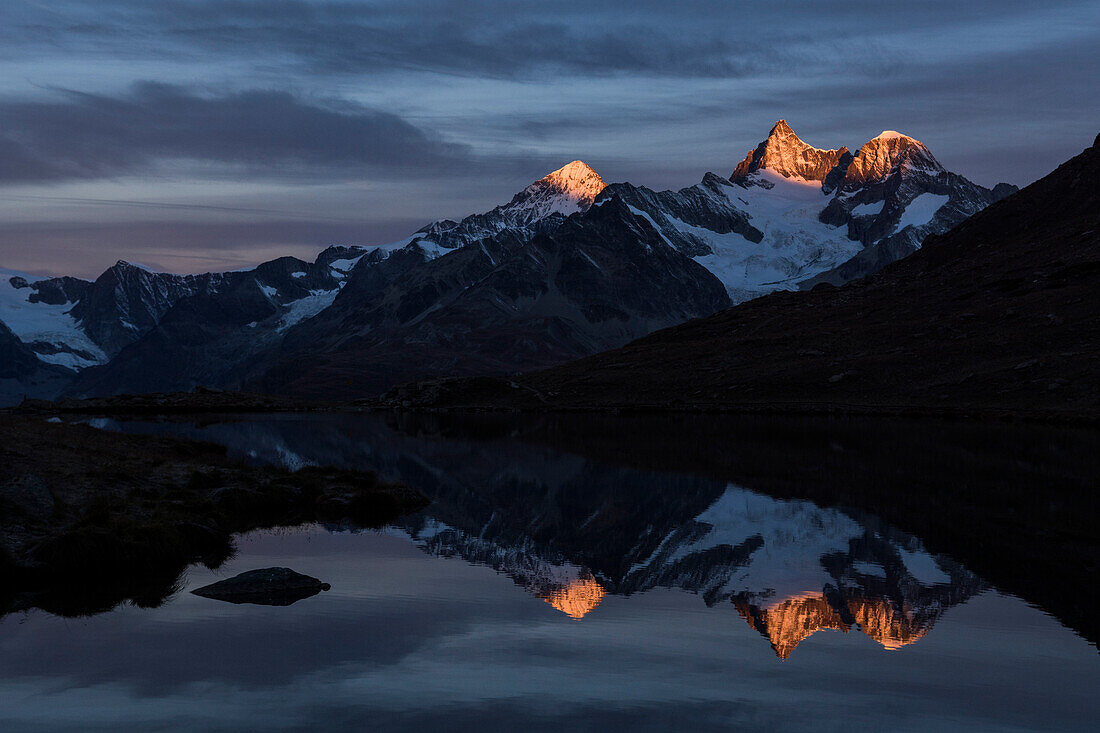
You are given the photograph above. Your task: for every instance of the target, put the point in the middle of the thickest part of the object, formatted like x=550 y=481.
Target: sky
x=194 y=135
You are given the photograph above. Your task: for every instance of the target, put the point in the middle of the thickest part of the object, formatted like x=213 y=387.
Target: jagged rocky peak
x=880 y=156
x=785 y=153
x=577 y=182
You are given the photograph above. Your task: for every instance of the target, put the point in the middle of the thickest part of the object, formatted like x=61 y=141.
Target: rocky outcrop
x=889 y=196
x=892 y=197
x=801 y=215
x=265 y=587
x=705 y=208
x=58 y=290
x=785 y=153
x=16 y=358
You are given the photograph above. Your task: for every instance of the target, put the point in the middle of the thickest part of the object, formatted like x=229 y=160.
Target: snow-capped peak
x=571 y=189
x=566 y=191
x=786 y=154
x=577 y=180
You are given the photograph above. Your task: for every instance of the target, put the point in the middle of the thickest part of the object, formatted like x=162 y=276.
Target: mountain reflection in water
x=571 y=528
x=593 y=573
x=789 y=568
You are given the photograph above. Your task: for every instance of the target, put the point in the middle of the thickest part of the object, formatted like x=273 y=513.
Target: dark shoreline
x=440 y=397
x=90 y=518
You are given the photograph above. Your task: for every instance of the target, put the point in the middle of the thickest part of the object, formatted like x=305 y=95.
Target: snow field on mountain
x=51 y=324
x=796 y=245
x=921 y=210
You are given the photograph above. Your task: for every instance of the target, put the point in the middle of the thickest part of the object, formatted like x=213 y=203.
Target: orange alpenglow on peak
x=887 y=625
x=577 y=180
x=577 y=598
x=878 y=157
x=786 y=623
x=785 y=153
x=791 y=620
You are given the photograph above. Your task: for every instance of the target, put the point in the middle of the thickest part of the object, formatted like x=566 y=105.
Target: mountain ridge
x=136 y=330
x=992 y=315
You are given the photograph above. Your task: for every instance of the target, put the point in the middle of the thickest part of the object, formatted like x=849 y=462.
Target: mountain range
x=571 y=266
x=996 y=315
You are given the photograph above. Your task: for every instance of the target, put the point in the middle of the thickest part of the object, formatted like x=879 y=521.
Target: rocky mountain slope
x=504 y=303
x=792 y=215
x=202 y=338
x=540 y=207
x=997 y=314
x=23 y=374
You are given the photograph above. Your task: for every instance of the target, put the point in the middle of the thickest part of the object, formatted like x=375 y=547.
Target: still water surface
x=551 y=586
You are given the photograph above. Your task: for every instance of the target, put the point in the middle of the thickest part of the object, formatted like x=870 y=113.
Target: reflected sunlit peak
x=576 y=598
x=891 y=627
x=787 y=622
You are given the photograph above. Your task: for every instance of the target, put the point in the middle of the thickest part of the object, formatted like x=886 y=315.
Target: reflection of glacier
x=789 y=568
x=570 y=529
x=792 y=568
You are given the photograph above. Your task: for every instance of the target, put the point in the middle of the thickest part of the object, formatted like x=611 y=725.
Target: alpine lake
x=585 y=572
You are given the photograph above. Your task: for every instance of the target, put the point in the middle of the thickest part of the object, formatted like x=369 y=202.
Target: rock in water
x=265 y=587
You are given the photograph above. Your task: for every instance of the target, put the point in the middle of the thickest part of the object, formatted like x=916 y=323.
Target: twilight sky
x=196 y=135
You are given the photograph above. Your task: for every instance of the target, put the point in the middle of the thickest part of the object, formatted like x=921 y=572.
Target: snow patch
x=140 y=266
x=869 y=568
x=492 y=260
x=868 y=209
x=921 y=210
x=344 y=266
x=589 y=258
x=924 y=568
x=305 y=308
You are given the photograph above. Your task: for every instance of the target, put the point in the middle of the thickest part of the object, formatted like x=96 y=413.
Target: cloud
x=269 y=133
x=497 y=39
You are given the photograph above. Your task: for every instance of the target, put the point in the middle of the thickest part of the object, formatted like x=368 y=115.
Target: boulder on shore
x=265 y=587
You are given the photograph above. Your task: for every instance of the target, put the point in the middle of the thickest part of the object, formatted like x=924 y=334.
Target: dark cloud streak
x=486 y=39
x=271 y=133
